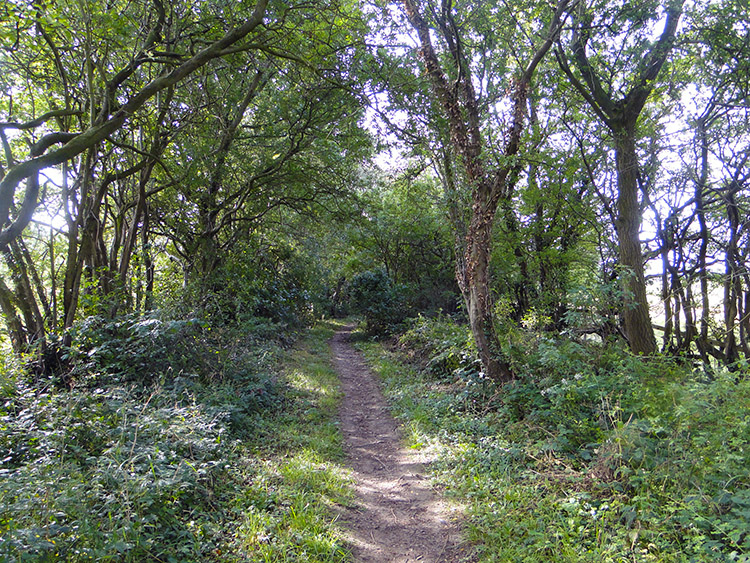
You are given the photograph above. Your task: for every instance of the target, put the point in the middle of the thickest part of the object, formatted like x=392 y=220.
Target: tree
x=273 y=132
x=402 y=229
x=76 y=102
x=617 y=81
x=259 y=128
x=490 y=178
x=110 y=115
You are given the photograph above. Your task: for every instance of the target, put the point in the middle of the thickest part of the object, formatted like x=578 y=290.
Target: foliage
x=401 y=229
x=169 y=222
x=262 y=279
x=591 y=454
x=375 y=296
x=132 y=347
x=170 y=179
x=178 y=464
x=439 y=343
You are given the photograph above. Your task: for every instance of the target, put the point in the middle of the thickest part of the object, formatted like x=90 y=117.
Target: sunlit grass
x=288 y=508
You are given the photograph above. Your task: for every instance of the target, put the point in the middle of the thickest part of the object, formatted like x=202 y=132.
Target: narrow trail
x=397 y=517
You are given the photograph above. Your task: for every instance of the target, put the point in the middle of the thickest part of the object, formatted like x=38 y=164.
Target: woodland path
x=397 y=517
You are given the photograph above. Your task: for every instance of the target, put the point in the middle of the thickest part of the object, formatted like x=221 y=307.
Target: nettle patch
x=115 y=471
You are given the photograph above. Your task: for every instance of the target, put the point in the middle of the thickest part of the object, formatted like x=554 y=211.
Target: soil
x=397 y=517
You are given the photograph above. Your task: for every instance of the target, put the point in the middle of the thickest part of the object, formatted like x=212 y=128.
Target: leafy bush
x=593 y=308
x=591 y=454
x=374 y=295
x=133 y=347
x=259 y=279
x=123 y=471
x=129 y=461
x=440 y=344
x=686 y=457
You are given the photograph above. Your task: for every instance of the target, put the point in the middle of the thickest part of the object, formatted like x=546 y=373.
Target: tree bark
x=25 y=300
x=148 y=263
x=732 y=284
x=474 y=281
x=12 y=321
x=636 y=319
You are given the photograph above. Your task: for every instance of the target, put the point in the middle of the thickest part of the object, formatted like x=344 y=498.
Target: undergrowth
x=590 y=455
x=169 y=441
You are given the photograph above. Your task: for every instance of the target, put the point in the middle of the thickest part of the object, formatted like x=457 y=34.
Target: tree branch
x=652 y=63
x=87 y=139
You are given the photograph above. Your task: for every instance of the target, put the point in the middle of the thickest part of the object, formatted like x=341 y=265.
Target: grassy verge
x=297 y=478
x=207 y=447
x=644 y=463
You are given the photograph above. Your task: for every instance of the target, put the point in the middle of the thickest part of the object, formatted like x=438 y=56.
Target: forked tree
x=612 y=64
x=490 y=178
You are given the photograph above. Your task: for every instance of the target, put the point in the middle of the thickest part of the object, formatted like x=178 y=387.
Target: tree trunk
x=732 y=287
x=665 y=238
x=474 y=282
x=700 y=213
x=636 y=318
x=12 y=321
x=25 y=299
x=621 y=116
x=461 y=109
x=33 y=273
x=745 y=322
x=130 y=237
x=148 y=263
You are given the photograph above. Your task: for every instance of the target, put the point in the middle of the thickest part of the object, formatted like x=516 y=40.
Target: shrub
x=134 y=347
x=374 y=296
x=120 y=472
x=440 y=344
x=614 y=457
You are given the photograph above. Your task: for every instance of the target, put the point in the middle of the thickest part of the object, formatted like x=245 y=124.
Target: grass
x=239 y=460
x=288 y=512
x=666 y=478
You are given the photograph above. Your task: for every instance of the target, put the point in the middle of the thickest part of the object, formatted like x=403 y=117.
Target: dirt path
x=398 y=517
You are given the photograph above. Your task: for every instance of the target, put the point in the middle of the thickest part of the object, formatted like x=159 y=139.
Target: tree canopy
x=537 y=150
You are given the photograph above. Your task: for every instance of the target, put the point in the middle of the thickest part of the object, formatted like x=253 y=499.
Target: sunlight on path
x=397 y=517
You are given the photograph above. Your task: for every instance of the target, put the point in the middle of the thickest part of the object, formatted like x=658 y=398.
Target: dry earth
x=397 y=516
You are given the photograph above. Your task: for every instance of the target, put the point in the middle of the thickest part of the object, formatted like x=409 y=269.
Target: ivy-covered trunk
x=474 y=281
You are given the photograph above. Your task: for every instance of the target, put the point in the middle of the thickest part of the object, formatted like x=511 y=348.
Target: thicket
x=159 y=444
x=374 y=296
x=590 y=454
